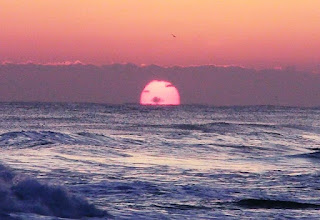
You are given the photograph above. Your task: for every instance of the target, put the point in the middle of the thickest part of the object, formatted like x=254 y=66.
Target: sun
x=159 y=92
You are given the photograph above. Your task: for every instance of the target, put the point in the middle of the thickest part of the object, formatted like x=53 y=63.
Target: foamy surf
x=21 y=194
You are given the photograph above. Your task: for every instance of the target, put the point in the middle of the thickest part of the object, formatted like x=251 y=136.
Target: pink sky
x=251 y=33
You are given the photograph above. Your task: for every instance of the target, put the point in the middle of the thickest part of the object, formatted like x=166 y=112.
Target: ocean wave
x=205 y=127
x=183 y=206
x=313 y=155
x=26 y=139
x=134 y=187
x=239 y=146
x=221 y=126
x=208 y=127
x=275 y=204
x=22 y=194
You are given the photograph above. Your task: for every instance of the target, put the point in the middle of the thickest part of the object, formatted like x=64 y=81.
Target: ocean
x=96 y=161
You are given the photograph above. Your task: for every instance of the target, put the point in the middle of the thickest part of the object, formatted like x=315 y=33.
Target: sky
x=248 y=33
x=216 y=52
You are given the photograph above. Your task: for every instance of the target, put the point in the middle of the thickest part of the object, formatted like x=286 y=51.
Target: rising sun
x=159 y=92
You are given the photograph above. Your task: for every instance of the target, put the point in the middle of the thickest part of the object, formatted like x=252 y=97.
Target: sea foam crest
x=22 y=194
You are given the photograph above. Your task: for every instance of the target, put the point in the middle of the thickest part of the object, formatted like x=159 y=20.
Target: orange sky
x=253 y=33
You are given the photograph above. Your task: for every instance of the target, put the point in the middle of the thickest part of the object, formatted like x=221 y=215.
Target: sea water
x=99 y=161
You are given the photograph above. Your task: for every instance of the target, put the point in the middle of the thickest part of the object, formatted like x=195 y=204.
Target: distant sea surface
x=97 y=161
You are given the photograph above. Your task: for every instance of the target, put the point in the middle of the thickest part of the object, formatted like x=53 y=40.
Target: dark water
x=135 y=162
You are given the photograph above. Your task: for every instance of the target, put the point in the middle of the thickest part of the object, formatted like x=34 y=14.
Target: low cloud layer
x=123 y=83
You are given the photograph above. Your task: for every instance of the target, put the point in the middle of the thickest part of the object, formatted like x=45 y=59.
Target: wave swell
x=26 y=139
x=275 y=204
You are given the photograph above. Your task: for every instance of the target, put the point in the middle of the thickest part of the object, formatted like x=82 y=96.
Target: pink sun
x=159 y=92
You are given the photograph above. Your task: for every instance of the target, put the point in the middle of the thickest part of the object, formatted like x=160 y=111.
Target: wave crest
x=23 y=194
x=26 y=139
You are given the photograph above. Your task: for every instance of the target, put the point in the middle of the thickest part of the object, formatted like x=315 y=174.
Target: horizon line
x=158 y=106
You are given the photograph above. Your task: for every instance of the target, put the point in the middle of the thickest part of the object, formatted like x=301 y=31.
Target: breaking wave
x=22 y=194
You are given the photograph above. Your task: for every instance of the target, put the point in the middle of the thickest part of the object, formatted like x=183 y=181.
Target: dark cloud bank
x=123 y=83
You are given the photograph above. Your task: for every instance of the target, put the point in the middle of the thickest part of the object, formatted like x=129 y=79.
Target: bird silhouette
x=173 y=35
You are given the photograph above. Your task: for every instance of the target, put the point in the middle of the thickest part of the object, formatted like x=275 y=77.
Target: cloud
x=62 y=63
x=123 y=83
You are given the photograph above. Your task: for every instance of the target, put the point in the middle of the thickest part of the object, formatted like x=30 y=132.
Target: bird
x=173 y=35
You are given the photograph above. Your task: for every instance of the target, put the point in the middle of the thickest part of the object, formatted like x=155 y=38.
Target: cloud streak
x=61 y=63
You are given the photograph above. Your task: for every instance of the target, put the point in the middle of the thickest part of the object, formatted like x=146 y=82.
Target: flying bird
x=173 y=35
